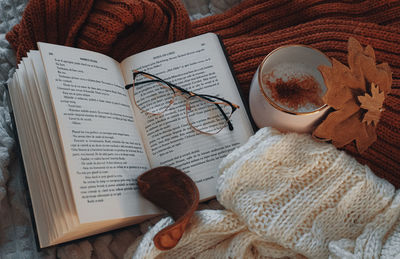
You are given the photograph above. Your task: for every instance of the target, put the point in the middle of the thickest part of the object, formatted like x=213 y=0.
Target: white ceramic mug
x=265 y=111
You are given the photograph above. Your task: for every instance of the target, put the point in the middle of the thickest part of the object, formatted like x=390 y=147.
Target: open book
x=84 y=141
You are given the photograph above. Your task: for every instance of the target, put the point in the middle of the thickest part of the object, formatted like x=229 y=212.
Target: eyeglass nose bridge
x=186 y=96
x=178 y=92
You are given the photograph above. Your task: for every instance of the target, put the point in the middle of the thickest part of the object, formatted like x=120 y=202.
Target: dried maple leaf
x=373 y=104
x=346 y=122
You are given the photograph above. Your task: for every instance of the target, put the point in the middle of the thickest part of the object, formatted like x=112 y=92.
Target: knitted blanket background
x=252 y=29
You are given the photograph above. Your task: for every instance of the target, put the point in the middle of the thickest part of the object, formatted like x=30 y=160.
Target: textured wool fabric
x=287 y=195
x=250 y=31
x=116 y=28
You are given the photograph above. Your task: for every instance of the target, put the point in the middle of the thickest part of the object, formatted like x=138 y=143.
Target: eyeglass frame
x=181 y=92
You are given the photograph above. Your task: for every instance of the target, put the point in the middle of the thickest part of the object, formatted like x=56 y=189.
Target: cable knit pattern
x=372 y=242
x=287 y=195
x=391 y=248
x=10 y=14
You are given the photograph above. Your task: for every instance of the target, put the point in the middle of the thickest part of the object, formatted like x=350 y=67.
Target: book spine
x=244 y=100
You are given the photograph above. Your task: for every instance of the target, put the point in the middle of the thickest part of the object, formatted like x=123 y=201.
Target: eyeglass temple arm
x=234 y=106
x=230 y=126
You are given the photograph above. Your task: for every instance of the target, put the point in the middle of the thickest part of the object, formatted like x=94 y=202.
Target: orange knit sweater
x=252 y=29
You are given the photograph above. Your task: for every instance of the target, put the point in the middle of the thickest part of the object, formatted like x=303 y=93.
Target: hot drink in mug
x=287 y=89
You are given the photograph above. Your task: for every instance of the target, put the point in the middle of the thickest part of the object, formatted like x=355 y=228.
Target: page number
x=203 y=44
x=51 y=54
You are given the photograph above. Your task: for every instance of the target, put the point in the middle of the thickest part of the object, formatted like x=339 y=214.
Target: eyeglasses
x=206 y=114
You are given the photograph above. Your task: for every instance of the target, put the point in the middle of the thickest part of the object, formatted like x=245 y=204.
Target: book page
x=199 y=65
x=102 y=148
x=40 y=93
x=41 y=207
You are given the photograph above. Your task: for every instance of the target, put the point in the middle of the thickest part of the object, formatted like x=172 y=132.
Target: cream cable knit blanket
x=287 y=195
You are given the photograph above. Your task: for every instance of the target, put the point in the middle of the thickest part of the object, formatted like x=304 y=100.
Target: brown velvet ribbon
x=175 y=192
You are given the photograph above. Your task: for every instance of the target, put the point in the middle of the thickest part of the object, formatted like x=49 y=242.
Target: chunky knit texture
x=287 y=195
x=116 y=28
x=250 y=31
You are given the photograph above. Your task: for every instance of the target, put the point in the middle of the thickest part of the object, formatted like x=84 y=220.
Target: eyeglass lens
x=206 y=116
x=152 y=97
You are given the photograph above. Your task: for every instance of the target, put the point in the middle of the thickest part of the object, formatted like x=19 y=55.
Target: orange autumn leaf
x=373 y=104
x=355 y=112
